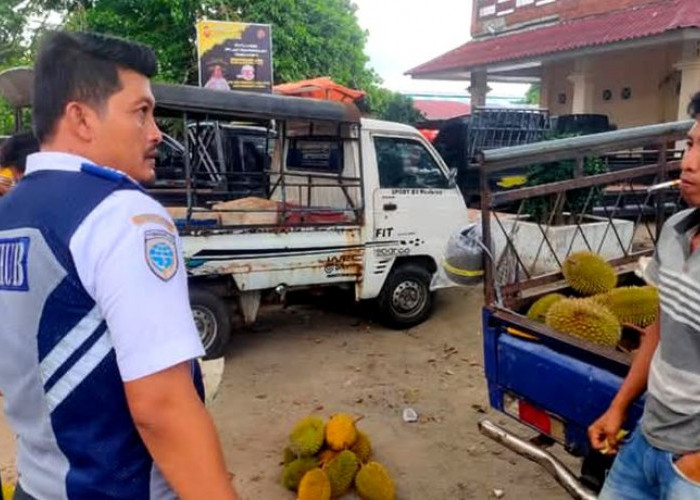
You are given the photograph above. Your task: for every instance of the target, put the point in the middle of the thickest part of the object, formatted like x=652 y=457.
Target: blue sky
x=406 y=33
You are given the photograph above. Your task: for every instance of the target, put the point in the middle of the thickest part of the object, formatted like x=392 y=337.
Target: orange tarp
x=319 y=88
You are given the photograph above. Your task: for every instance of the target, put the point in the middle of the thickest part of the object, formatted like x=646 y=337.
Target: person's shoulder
x=135 y=208
x=678 y=217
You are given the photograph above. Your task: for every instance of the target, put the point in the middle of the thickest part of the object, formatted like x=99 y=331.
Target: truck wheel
x=212 y=320
x=405 y=299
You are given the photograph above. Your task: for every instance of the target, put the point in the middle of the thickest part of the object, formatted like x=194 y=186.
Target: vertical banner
x=234 y=56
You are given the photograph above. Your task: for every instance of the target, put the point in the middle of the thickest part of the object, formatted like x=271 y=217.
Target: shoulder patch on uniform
x=142 y=219
x=13 y=264
x=161 y=253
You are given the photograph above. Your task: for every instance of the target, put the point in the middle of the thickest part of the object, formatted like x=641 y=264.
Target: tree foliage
x=310 y=38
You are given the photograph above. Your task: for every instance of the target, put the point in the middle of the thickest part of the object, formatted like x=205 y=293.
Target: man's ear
x=80 y=120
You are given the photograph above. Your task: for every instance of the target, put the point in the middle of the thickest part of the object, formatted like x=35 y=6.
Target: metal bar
x=547 y=279
x=578 y=224
x=283 y=169
x=587 y=145
x=509 y=244
x=489 y=290
x=552 y=465
x=555 y=210
x=588 y=181
x=188 y=170
x=660 y=198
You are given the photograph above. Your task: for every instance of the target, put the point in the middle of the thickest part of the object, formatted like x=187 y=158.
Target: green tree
x=392 y=106
x=532 y=96
x=310 y=38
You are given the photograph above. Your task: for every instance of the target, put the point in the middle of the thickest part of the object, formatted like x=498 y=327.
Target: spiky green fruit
x=374 y=482
x=362 y=447
x=307 y=436
x=538 y=310
x=341 y=432
x=586 y=319
x=341 y=472
x=588 y=273
x=288 y=456
x=315 y=485
x=636 y=305
x=295 y=470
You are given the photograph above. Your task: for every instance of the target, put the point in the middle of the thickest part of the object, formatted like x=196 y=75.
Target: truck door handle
x=390 y=207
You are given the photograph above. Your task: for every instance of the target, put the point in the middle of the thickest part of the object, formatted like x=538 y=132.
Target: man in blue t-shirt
x=98 y=361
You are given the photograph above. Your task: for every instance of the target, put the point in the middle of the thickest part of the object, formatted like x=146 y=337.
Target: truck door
x=415 y=207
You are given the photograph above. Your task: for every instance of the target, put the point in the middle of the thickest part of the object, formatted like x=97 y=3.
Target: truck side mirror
x=452 y=177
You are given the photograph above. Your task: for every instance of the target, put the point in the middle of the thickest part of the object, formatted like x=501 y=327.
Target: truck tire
x=212 y=319
x=405 y=300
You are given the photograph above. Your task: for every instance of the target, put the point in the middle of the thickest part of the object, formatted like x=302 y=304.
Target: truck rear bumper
x=551 y=464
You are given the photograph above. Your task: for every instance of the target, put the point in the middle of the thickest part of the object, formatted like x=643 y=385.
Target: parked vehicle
x=342 y=201
x=461 y=139
x=550 y=381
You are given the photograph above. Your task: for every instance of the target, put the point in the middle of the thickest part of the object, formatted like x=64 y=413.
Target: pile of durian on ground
x=601 y=310
x=324 y=460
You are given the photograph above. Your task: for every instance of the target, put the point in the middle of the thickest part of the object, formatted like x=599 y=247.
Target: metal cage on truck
x=556 y=383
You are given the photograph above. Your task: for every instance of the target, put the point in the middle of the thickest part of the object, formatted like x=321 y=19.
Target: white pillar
x=690 y=76
x=584 y=88
x=478 y=89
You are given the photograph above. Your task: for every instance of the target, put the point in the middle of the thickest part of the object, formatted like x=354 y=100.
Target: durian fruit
x=307 y=436
x=636 y=305
x=326 y=456
x=292 y=473
x=374 y=482
x=341 y=472
x=588 y=273
x=288 y=456
x=315 y=485
x=341 y=432
x=538 y=310
x=587 y=319
x=362 y=447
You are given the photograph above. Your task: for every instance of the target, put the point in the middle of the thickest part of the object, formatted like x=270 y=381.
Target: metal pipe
x=558 y=470
x=562 y=149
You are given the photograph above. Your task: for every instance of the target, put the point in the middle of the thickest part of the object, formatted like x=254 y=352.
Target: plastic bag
x=464 y=256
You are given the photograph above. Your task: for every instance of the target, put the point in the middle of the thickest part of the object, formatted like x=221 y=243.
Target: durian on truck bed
x=543 y=367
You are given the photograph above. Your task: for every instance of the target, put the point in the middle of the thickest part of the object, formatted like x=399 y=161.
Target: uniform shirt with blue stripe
x=93 y=293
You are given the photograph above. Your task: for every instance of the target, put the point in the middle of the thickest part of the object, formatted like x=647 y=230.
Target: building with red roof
x=637 y=61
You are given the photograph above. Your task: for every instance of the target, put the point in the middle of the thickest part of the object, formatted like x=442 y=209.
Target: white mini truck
x=306 y=194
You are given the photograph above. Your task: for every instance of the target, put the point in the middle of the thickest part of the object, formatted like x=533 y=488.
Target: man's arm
x=136 y=274
x=610 y=423
x=179 y=433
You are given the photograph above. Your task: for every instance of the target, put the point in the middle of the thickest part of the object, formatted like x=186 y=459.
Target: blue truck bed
x=547 y=374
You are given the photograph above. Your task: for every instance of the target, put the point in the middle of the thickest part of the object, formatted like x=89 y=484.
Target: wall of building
x=492 y=16
x=648 y=73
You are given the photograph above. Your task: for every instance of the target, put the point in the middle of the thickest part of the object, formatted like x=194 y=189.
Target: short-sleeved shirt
x=671 y=418
x=93 y=293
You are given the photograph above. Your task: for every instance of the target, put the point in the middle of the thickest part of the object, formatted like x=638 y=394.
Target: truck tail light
x=534 y=416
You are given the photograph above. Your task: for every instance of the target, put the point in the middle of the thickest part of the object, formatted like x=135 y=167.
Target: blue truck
x=550 y=381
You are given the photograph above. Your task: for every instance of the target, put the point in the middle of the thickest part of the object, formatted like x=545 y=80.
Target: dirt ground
x=328 y=357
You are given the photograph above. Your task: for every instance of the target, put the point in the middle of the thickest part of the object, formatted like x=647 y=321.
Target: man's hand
x=689 y=466
x=604 y=432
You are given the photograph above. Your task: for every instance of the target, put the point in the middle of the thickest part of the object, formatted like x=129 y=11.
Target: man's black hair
x=694 y=106
x=15 y=150
x=81 y=67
